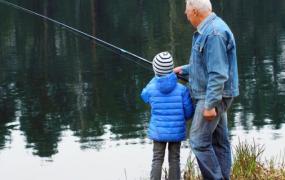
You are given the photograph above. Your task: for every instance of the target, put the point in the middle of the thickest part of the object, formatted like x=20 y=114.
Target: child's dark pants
x=173 y=159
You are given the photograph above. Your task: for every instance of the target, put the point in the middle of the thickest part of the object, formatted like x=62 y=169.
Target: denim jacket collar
x=203 y=25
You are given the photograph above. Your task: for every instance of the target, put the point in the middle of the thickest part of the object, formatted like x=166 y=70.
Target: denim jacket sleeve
x=217 y=67
x=185 y=69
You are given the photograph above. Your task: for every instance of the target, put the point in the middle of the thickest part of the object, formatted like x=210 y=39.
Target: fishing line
x=112 y=47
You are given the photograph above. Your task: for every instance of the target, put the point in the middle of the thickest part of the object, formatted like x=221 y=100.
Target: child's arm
x=187 y=104
x=144 y=95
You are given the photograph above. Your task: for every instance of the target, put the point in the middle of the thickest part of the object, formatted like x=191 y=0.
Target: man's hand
x=178 y=70
x=210 y=114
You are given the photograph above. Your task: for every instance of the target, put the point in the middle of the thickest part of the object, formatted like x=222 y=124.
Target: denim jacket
x=212 y=67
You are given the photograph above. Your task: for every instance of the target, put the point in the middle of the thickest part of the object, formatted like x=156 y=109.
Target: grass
x=191 y=171
x=247 y=165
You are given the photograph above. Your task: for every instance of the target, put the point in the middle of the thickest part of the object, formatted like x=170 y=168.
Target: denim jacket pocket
x=197 y=46
x=197 y=68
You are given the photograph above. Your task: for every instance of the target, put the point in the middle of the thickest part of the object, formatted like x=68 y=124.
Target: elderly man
x=213 y=79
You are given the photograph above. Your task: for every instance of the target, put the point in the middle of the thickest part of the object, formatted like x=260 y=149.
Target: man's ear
x=195 y=12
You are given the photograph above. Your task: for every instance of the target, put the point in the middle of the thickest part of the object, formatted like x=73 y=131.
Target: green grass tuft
x=247 y=165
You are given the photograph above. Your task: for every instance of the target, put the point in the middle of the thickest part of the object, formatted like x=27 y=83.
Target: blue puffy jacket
x=171 y=106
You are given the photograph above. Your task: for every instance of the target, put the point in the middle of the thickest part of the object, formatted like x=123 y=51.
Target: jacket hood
x=167 y=83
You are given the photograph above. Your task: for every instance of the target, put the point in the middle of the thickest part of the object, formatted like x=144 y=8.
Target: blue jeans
x=210 y=143
x=173 y=159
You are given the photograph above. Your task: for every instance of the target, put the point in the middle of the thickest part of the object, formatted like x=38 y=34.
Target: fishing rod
x=100 y=41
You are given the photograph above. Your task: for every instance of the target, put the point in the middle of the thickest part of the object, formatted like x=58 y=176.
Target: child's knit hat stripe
x=163 y=63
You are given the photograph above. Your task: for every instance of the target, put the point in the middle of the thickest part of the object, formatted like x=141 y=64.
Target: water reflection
x=53 y=81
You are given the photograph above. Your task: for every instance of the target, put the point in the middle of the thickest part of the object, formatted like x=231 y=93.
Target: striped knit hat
x=162 y=63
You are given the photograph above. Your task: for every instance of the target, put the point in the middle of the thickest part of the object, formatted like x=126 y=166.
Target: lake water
x=71 y=109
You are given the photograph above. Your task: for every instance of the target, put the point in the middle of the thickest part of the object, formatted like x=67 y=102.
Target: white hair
x=200 y=5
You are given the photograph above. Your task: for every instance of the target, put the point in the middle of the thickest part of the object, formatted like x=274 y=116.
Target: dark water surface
x=71 y=109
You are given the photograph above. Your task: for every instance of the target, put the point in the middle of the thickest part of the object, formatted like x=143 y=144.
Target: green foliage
x=191 y=171
x=247 y=160
x=247 y=165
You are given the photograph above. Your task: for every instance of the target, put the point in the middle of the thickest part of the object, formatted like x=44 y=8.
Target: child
x=171 y=106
